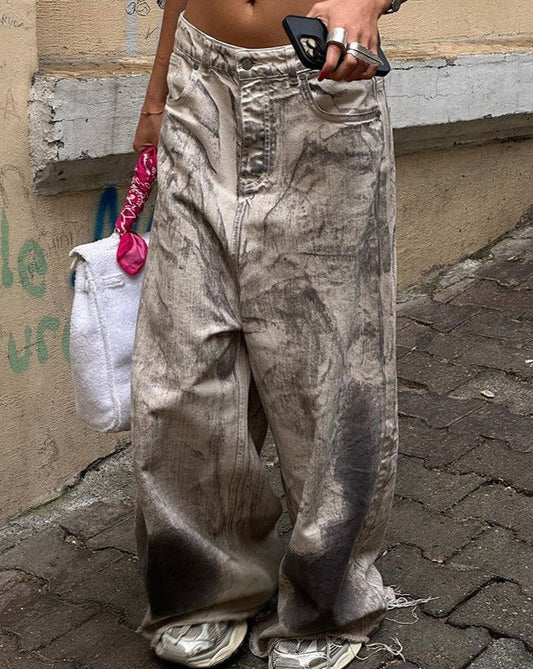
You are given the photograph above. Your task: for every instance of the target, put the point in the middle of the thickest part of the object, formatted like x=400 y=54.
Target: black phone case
x=309 y=36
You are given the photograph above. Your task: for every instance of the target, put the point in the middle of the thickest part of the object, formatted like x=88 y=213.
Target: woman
x=269 y=295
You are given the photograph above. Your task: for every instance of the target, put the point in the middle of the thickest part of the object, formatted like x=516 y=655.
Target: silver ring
x=338 y=36
x=363 y=58
x=362 y=53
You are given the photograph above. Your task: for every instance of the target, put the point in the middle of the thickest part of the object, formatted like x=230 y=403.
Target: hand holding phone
x=309 y=37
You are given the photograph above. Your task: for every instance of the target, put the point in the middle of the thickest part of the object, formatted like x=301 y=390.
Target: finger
x=345 y=69
x=367 y=74
x=315 y=11
x=355 y=72
x=370 y=72
x=333 y=55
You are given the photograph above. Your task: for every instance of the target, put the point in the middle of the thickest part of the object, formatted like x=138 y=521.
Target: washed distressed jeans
x=269 y=296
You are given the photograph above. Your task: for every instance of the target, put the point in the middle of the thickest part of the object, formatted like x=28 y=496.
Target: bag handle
x=132 y=249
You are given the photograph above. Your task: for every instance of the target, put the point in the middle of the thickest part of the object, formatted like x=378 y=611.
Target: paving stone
x=494 y=325
x=373 y=655
x=120 y=536
x=495 y=422
x=436 y=374
x=436 y=410
x=11 y=535
x=414 y=335
x=401 y=351
x=501 y=608
x=496 y=354
x=404 y=566
x=490 y=295
x=102 y=643
x=435 y=447
x=494 y=459
x=522 y=231
x=244 y=659
x=527 y=315
x=437 y=490
x=118 y=585
x=513 y=249
x=37 y=617
x=504 y=654
x=453 y=273
x=449 y=346
x=527 y=285
x=507 y=272
x=432 y=644
x=10 y=578
x=438 y=536
x=402 y=322
x=498 y=553
x=499 y=504
x=405 y=308
x=94 y=519
x=449 y=292
x=375 y=658
x=13 y=658
x=19 y=585
x=509 y=391
x=49 y=556
x=440 y=316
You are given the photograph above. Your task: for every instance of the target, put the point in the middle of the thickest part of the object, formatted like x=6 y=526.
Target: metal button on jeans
x=246 y=63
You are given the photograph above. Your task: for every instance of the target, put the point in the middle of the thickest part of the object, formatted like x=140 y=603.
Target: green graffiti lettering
x=66 y=341
x=31 y=265
x=50 y=323
x=7 y=274
x=19 y=364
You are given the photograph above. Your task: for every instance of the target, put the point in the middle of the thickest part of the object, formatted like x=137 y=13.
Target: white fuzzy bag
x=107 y=289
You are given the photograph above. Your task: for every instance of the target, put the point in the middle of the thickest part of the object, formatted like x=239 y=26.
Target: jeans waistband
x=234 y=60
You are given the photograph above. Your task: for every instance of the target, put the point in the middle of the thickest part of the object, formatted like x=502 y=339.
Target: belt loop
x=205 y=57
x=293 y=74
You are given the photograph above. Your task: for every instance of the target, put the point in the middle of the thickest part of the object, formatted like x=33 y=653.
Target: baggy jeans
x=269 y=296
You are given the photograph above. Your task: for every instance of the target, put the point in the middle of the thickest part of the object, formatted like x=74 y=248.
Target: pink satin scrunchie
x=132 y=249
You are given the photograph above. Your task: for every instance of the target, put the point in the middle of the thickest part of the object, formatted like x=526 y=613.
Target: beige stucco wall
x=43 y=443
x=73 y=29
x=426 y=21
x=450 y=203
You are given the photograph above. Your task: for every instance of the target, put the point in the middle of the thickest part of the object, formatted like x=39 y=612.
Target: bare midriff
x=246 y=23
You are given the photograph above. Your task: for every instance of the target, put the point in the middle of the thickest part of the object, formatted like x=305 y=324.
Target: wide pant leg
x=205 y=513
x=318 y=294
x=272 y=253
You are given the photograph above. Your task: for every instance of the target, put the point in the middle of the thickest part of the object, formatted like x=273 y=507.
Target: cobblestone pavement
x=461 y=529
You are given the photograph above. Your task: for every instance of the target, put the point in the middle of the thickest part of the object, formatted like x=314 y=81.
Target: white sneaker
x=201 y=645
x=326 y=653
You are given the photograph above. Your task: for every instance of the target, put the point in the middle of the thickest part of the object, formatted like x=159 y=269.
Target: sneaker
x=326 y=653
x=201 y=645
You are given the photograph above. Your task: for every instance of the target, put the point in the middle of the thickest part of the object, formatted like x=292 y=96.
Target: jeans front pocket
x=341 y=100
x=181 y=75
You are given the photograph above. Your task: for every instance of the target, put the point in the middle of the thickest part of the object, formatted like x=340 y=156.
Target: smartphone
x=309 y=37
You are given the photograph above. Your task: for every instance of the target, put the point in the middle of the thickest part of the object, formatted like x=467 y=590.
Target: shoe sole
x=237 y=637
x=348 y=657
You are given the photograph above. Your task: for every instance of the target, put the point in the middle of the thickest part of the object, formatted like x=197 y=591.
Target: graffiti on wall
x=107 y=213
x=27 y=264
x=140 y=7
